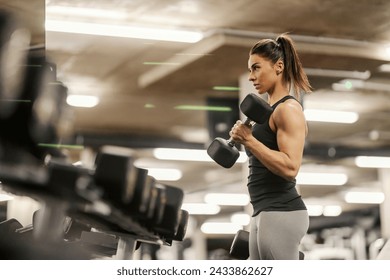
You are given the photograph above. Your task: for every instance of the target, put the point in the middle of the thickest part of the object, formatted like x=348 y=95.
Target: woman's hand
x=240 y=132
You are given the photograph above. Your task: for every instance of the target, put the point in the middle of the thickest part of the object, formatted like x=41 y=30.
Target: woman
x=275 y=150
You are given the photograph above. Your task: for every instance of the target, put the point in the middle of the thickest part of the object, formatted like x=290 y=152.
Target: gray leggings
x=276 y=235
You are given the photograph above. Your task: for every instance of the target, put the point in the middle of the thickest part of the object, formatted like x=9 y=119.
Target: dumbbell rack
x=31 y=180
x=128 y=231
x=28 y=128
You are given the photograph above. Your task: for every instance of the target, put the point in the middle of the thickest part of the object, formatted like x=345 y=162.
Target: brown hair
x=283 y=48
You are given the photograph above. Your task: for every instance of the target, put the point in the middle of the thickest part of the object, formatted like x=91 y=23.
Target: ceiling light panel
x=201 y=208
x=325 y=179
x=372 y=162
x=85 y=101
x=189 y=155
x=232 y=199
x=220 y=228
x=123 y=31
x=316 y=115
x=240 y=219
x=364 y=197
x=55 y=11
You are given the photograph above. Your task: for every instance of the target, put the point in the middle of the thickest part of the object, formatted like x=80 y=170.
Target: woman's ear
x=279 y=66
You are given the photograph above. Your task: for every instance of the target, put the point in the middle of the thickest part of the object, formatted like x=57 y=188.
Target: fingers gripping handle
x=255 y=109
x=230 y=141
x=223 y=151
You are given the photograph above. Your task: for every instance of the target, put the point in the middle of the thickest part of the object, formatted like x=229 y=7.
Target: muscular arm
x=290 y=125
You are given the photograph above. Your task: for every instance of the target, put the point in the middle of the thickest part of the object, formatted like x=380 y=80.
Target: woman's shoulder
x=287 y=112
x=290 y=105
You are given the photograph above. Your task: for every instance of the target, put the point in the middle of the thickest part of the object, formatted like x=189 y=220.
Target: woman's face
x=262 y=73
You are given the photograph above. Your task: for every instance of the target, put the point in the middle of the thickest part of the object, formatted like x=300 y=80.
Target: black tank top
x=267 y=191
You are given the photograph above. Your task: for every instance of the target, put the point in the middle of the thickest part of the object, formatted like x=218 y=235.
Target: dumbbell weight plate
x=116 y=174
x=48 y=111
x=223 y=153
x=158 y=212
x=14 y=43
x=153 y=201
x=125 y=186
x=140 y=204
x=172 y=211
x=9 y=227
x=64 y=179
x=36 y=124
x=255 y=108
x=240 y=245
x=182 y=229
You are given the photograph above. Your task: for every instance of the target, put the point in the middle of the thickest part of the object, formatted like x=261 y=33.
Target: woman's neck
x=277 y=94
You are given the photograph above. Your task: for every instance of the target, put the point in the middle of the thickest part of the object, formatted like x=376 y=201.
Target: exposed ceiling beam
x=305 y=44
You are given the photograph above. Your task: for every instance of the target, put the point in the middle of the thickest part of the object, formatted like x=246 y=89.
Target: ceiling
x=140 y=82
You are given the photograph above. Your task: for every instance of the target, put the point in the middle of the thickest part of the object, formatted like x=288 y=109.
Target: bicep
x=291 y=132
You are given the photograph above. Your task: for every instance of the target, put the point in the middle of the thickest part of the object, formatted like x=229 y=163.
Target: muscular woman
x=275 y=151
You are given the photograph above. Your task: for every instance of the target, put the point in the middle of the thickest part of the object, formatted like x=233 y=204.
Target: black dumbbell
x=65 y=180
x=9 y=227
x=14 y=43
x=144 y=194
x=14 y=228
x=42 y=119
x=169 y=224
x=100 y=243
x=157 y=206
x=116 y=174
x=73 y=229
x=240 y=246
x=182 y=229
x=137 y=194
x=224 y=152
x=124 y=185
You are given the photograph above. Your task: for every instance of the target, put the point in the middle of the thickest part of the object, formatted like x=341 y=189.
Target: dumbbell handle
x=230 y=141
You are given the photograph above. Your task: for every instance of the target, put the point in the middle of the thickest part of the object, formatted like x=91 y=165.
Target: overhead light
x=364 y=197
x=338 y=73
x=60 y=146
x=84 y=12
x=85 y=101
x=325 y=210
x=315 y=210
x=165 y=174
x=160 y=63
x=189 y=155
x=372 y=162
x=240 y=219
x=232 y=199
x=203 y=108
x=220 y=228
x=317 y=115
x=226 y=88
x=360 y=84
x=384 y=68
x=325 y=179
x=5 y=197
x=201 y=208
x=332 y=210
x=123 y=31
x=149 y=106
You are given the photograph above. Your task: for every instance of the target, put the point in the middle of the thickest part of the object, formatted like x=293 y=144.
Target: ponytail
x=283 y=48
x=293 y=73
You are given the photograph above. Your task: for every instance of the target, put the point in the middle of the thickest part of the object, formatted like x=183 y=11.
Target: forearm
x=277 y=162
